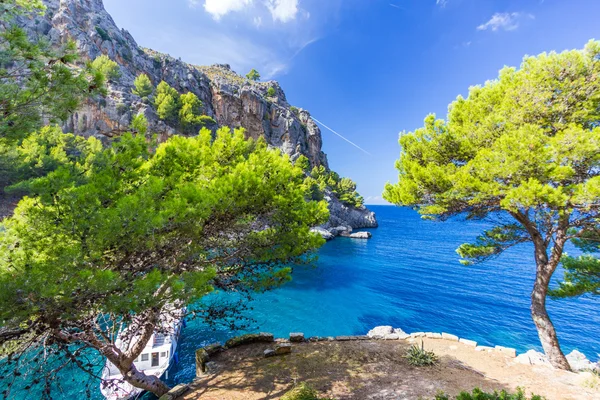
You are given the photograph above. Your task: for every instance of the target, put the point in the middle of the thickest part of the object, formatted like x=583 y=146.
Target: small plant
x=419 y=357
x=478 y=394
x=302 y=391
x=121 y=108
x=294 y=110
x=271 y=92
x=103 y=34
x=253 y=75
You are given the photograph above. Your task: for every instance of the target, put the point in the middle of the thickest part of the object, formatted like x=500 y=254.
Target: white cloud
x=258 y=22
x=441 y=3
x=219 y=8
x=503 y=21
x=282 y=10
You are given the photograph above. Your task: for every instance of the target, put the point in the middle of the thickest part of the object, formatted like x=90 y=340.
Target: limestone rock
x=357 y=235
x=380 y=331
x=449 y=336
x=269 y=353
x=532 y=357
x=468 y=342
x=325 y=234
x=283 y=348
x=579 y=361
x=506 y=350
x=230 y=99
x=296 y=337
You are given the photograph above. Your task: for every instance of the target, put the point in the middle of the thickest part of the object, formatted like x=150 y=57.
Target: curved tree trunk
x=544 y=325
x=149 y=383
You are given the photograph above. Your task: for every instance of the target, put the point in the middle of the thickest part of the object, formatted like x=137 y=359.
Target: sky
x=368 y=69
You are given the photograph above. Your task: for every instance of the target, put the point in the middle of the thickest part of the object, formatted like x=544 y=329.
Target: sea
x=408 y=276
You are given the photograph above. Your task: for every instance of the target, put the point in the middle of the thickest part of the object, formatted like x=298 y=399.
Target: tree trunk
x=149 y=383
x=546 y=332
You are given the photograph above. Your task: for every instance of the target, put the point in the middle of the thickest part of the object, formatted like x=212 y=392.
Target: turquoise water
x=407 y=276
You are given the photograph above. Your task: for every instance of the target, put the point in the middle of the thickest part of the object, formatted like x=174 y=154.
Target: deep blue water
x=408 y=276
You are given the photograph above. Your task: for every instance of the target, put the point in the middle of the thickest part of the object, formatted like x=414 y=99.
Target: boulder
x=201 y=359
x=325 y=234
x=532 y=357
x=296 y=337
x=433 y=335
x=380 y=331
x=360 y=235
x=579 y=361
x=283 y=348
x=391 y=336
x=269 y=353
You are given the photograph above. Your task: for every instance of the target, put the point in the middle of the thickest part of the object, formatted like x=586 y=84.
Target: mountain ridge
x=261 y=108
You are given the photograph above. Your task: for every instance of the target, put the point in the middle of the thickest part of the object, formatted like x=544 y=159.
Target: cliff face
x=227 y=97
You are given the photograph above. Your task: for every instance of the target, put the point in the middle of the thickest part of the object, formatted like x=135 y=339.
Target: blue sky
x=369 y=69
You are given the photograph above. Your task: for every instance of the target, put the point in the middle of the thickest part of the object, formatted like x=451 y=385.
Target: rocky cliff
x=230 y=99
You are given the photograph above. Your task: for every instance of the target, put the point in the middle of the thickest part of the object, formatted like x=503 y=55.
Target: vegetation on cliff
x=524 y=149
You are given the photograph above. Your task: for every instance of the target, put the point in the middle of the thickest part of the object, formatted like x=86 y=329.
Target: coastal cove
x=391 y=280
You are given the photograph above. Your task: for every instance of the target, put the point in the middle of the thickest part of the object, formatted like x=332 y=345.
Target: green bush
x=107 y=67
x=302 y=392
x=294 y=110
x=271 y=92
x=419 y=357
x=253 y=75
x=103 y=34
x=142 y=86
x=344 y=188
x=478 y=394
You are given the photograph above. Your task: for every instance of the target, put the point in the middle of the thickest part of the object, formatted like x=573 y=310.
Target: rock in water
x=230 y=99
x=380 y=331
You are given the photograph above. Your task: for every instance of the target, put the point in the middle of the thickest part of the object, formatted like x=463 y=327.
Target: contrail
x=353 y=144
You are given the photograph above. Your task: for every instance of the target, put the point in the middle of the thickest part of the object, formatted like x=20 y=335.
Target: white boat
x=155 y=359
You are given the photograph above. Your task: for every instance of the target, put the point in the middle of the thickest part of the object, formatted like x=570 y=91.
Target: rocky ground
x=377 y=369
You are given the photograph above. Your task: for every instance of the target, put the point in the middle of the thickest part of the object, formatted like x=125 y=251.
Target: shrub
x=302 y=392
x=253 y=75
x=142 y=86
x=107 y=67
x=419 y=357
x=166 y=101
x=121 y=108
x=103 y=34
x=190 y=113
x=344 y=188
x=139 y=124
x=294 y=110
x=478 y=394
x=271 y=92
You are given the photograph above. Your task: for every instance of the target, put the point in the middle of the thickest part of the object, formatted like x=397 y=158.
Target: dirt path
x=377 y=370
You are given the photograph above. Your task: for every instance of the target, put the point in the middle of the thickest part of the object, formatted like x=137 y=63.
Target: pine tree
x=524 y=146
x=142 y=86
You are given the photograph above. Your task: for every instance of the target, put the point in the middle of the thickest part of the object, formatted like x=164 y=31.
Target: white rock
x=325 y=234
x=417 y=334
x=468 y=342
x=433 y=335
x=532 y=357
x=380 y=331
x=359 y=235
x=449 y=336
x=579 y=361
x=484 y=348
x=507 y=350
x=391 y=336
